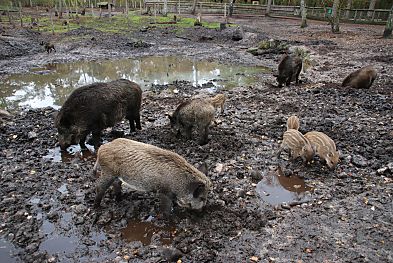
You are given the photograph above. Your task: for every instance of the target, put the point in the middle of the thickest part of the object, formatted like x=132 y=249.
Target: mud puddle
x=146 y=231
x=276 y=188
x=6 y=252
x=51 y=85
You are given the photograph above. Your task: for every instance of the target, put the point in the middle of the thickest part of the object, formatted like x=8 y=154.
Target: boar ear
x=203 y=168
x=197 y=188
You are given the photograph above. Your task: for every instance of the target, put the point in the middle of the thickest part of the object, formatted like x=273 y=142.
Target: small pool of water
x=276 y=188
x=74 y=151
x=51 y=85
x=143 y=231
x=7 y=251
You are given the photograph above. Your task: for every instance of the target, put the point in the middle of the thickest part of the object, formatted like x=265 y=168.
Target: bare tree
x=371 y=7
x=335 y=20
x=194 y=5
x=304 y=13
x=269 y=7
x=388 y=28
x=165 y=11
x=349 y=5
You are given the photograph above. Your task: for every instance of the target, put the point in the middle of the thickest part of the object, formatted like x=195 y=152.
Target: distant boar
x=218 y=101
x=192 y=113
x=289 y=70
x=48 y=46
x=324 y=147
x=361 y=79
x=147 y=168
x=297 y=144
x=293 y=123
x=95 y=107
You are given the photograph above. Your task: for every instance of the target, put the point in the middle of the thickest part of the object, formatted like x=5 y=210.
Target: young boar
x=289 y=70
x=218 y=101
x=95 y=107
x=147 y=168
x=293 y=123
x=297 y=144
x=324 y=147
x=361 y=79
x=193 y=113
x=48 y=46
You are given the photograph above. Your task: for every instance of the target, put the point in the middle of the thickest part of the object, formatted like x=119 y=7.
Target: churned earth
x=346 y=215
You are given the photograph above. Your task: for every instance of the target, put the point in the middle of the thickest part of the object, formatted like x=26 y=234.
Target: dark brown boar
x=289 y=70
x=97 y=106
x=48 y=46
x=195 y=113
x=361 y=79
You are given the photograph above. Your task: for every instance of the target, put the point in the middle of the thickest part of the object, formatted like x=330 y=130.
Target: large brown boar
x=289 y=70
x=95 y=107
x=195 y=113
x=147 y=168
x=361 y=79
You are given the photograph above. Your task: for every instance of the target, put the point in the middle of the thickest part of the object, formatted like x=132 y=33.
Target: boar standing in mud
x=95 y=107
x=147 y=168
x=297 y=145
x=195 y=113
x=48 y=47
x=361 y=79
x=289 y=70
x=324 y=147
x=293 y=123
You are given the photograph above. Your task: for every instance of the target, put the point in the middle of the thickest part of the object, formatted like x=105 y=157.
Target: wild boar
x=289 y=70
x=297 y=144
x=48 y=46
x=199 y=113
x=147 y=168
x=95 y=107
x=325 y=147
x=293 y=123
x=361 y=79
x=218 y=101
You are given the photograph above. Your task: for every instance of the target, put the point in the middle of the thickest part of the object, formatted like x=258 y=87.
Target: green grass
x=116 y=24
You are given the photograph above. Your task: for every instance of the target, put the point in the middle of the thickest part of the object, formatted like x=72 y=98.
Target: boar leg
x=82 y=141
x=137 y=119
x=96 y=139
x=166 y=201
x=117 y=189
x=188 y=131
x=132 y=124
x=205 y=135
x=103 y=183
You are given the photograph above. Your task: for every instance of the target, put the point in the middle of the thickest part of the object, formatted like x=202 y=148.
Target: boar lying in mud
x=361 y=79
x=195 y=113
x=218 y=101
x=293 y=123
x=95 y=107
x=297 y=144
x=48 y=46
x=324 y=147
x=289 y=70
x=147 y=168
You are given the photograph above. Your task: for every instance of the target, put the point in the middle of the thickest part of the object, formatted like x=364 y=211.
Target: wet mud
x=345 y=215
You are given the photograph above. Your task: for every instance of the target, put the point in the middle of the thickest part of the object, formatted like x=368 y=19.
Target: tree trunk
x=349 y=5
x=388 y=29
x=335 y=23
x=165 y=11
x=371 y=7
x=304 y=13
x=109 y=10
x=269 y=7
x=20 y=14
x=194 y=4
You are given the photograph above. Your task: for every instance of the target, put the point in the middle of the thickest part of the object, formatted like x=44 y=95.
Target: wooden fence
x=211 y=8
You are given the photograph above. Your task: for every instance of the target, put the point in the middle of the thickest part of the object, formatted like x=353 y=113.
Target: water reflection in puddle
x=276 y=188
x=50 y=86
x=144 y=231
x=73 y=152
x=6 y=252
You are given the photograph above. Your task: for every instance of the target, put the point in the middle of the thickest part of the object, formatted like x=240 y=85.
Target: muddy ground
x=47 y=207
